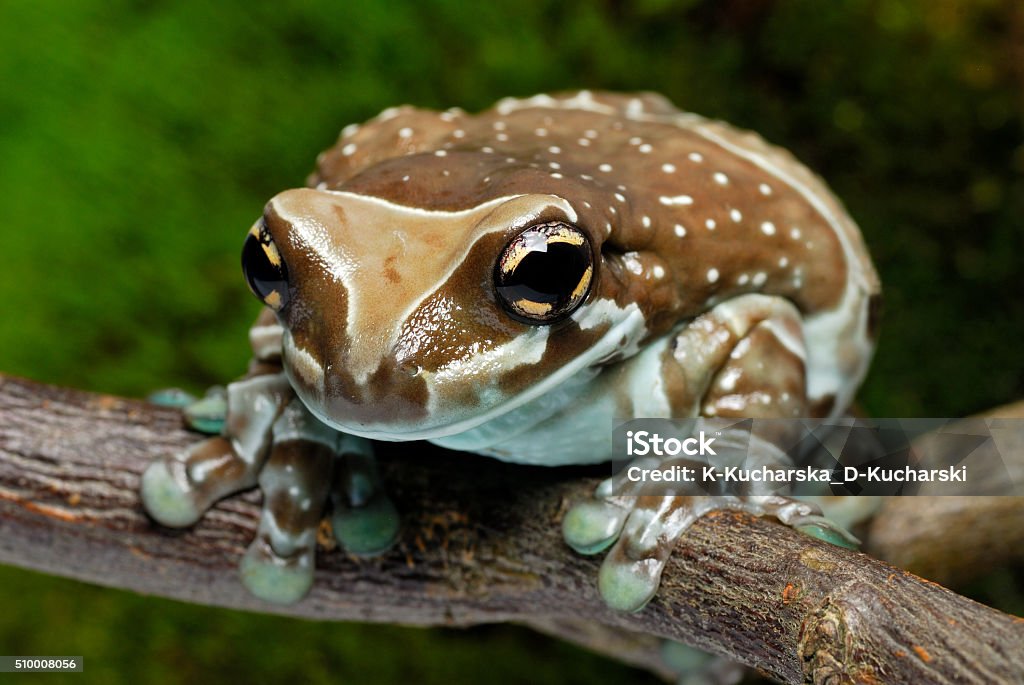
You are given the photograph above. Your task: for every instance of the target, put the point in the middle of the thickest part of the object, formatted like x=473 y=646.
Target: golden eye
x=264 y=269
x=544 y=273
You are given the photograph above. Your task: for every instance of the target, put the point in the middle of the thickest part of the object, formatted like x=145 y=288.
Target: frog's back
x=703 y=211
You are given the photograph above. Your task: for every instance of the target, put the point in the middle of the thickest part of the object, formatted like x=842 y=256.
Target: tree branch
x=952 y=539
x=481 y=543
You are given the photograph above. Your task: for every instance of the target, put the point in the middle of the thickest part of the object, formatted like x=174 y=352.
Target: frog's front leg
x=178 y=488
x=744 y=358
x=308 y=462
x=295 y=480
x=272 y=440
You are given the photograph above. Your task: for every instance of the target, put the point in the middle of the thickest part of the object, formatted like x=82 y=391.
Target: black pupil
x=263 y=276
x=548 y=277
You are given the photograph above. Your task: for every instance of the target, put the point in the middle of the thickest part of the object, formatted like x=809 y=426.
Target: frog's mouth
x=494 y=416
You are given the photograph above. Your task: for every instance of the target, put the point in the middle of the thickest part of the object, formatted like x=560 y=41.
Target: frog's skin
x=700 y=273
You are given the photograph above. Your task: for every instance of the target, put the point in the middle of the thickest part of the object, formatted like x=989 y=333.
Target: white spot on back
x=632 y=263
x=765 y=189
x=712 y=275
x=669 y=201
x=735 y=215
x=720 y=178
x=405 y=132
x=710 y=223
x=668 y=168
x=348 y=149
x=768 y=228
x=605 y=167
x=696 y=157
x=680 y=230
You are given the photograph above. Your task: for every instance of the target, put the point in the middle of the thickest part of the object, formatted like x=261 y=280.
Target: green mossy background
x=138 y=141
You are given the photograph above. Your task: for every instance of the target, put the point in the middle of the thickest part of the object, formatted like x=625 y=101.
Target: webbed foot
x=642 y=530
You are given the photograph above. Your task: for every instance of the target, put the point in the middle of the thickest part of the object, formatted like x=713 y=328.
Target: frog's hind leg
x=178 y=488
x=742 y=359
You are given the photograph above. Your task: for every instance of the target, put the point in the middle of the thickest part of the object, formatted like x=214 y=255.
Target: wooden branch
x=481 y=543
x=953 y=539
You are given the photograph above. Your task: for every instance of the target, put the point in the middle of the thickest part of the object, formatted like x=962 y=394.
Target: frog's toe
x=209 y=414
x=171 y=397
x=631 y=572
x=275 y=578
x=823 y=529
x=367 y=530
x=167 y=495
x=365 y=520
x=628 y=584
x=592 y=525
x=177 y=489
x=804 y=516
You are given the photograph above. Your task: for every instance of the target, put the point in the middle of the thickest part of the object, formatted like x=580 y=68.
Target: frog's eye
x=264 y=269
x=544 y=273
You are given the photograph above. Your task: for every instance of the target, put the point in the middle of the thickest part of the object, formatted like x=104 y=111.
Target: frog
x=508 y=284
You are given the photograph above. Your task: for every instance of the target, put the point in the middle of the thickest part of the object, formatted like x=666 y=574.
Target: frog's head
x=405 y=323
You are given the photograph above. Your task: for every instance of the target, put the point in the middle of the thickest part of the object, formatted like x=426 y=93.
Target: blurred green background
x=138 y=141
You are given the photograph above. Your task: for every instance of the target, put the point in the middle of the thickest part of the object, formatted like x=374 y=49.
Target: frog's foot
x=177 y=489
x=643 y=530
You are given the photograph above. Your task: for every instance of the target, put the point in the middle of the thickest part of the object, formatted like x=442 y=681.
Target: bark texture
x=481 y=543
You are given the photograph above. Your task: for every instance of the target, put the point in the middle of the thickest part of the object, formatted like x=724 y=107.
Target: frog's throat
x=622 y=337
